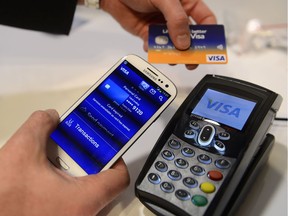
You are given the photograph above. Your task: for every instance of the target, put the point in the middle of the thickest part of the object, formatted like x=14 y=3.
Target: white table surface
x=39 y=71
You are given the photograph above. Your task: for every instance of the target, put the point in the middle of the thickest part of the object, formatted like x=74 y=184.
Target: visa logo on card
x=208 y=46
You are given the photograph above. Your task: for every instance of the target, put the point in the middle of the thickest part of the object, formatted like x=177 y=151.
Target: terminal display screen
x=224 y=108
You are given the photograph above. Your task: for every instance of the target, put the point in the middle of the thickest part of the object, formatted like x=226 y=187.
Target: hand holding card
x=208 y=46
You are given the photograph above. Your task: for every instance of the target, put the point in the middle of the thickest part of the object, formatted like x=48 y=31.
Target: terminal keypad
x=187 y=175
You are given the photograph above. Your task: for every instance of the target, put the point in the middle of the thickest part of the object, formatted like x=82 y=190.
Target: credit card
x=208 y=46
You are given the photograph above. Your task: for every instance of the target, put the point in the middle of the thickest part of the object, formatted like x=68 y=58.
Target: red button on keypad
x=215 y=175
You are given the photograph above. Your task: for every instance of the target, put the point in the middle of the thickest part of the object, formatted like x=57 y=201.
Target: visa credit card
x=208 y=46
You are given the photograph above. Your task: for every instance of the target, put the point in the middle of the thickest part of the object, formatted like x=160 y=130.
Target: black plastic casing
x=248 y=151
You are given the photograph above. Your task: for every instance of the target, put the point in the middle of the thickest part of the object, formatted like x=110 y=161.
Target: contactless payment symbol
x=220 y=47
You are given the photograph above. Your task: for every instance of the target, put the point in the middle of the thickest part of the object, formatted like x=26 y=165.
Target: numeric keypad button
x=154 y=178
x=182 y=194
x=161 y=166
x=187 y=152
x=174 y=175
x=167 y=187
x=174 y=144
x=205 y=159
x=181 y=163
x=168 y=155
x=190 y=182
x=197 y=170
x=222 y=163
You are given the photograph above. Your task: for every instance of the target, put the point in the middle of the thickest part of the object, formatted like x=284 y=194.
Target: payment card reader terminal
x=212 y=145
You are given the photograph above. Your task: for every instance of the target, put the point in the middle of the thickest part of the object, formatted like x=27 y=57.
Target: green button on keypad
x=199 y=200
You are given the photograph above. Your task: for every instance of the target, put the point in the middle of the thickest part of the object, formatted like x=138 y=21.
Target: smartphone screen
x=103 y=123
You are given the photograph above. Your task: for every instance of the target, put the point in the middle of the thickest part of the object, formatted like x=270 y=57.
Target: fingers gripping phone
x=205 y=151
x=109 y=117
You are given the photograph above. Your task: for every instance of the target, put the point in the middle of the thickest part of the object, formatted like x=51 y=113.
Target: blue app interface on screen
x=223 y=108
x=109 y=117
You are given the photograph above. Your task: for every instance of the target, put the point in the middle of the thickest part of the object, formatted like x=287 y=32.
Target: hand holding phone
x=110 y=117
x=26 y=175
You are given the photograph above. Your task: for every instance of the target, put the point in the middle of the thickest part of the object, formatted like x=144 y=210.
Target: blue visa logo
x=223 y=108
x=215 y=58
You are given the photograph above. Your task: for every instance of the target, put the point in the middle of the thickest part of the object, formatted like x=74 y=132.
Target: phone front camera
x=166 y=85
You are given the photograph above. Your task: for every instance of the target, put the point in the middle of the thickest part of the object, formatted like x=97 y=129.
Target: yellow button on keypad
x=207 y=187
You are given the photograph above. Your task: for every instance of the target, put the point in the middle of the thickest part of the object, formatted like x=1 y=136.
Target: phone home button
x=61 y=163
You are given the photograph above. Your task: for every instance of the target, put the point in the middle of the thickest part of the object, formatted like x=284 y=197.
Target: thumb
x=177 y=22
x=34 y=132
x=102 y=188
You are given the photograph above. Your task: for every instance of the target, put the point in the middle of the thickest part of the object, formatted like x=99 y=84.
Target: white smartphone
x=101 y=126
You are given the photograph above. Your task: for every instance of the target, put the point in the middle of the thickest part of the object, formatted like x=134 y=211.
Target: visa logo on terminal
x=223 y=108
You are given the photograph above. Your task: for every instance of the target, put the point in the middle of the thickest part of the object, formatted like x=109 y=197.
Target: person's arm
x=31 y=185
x=53 y=16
